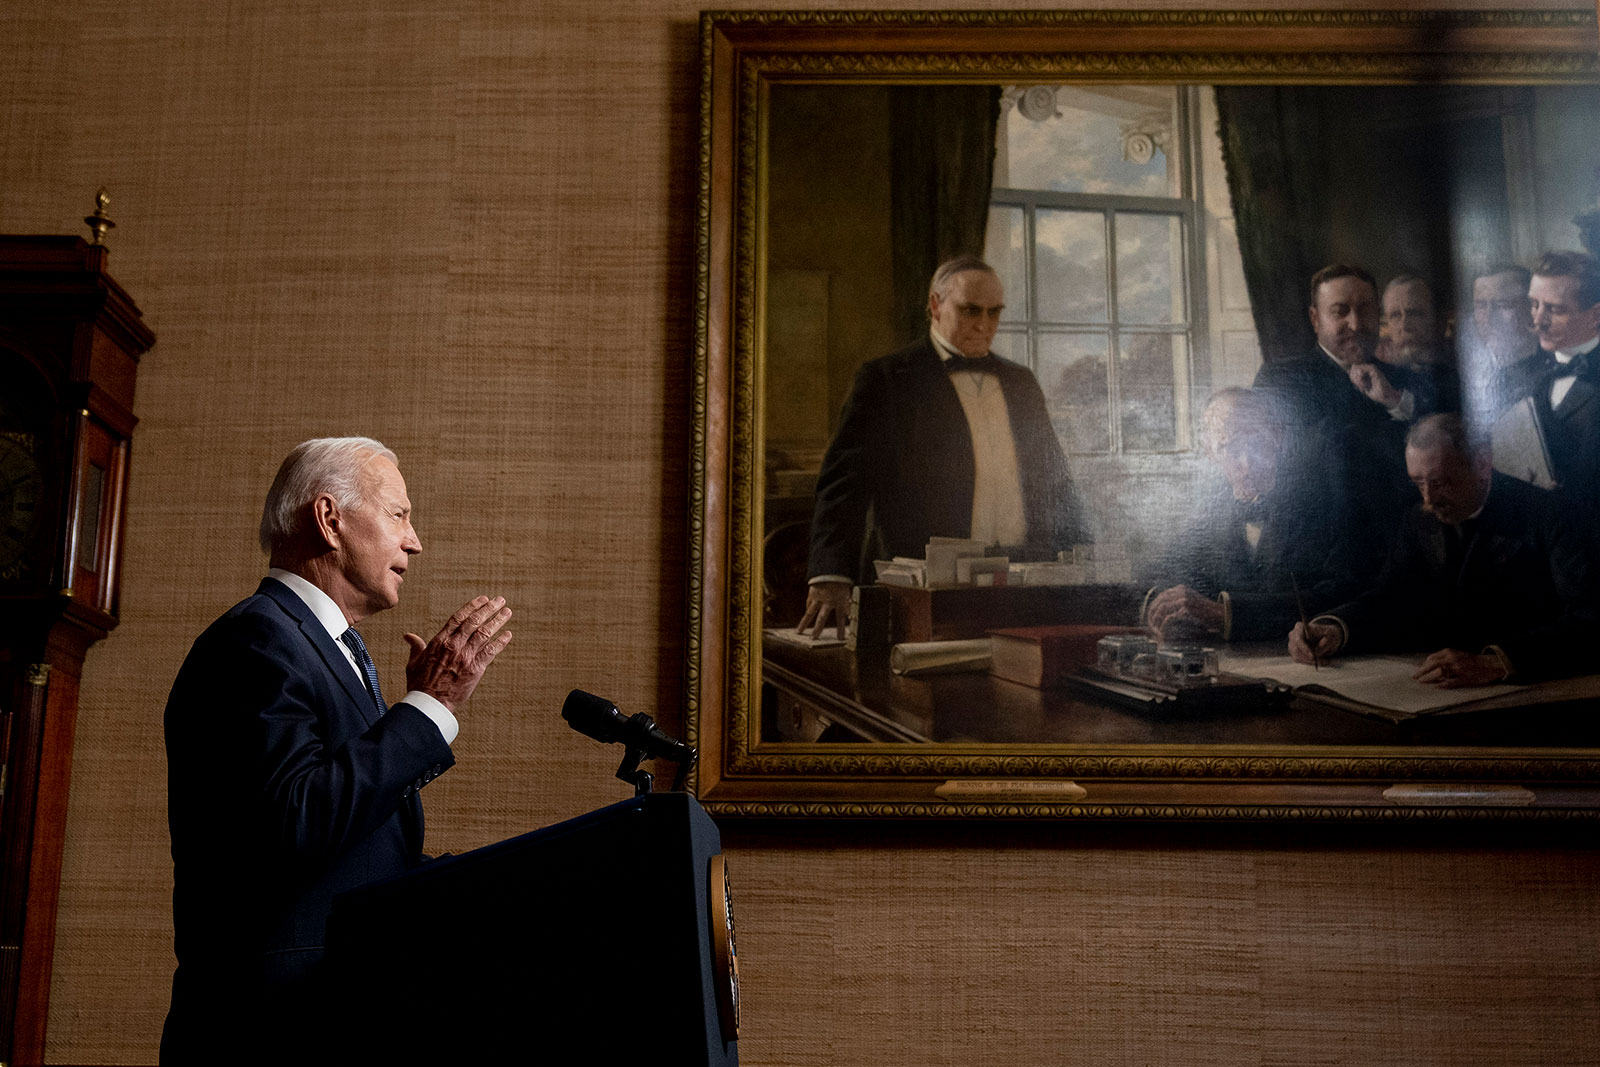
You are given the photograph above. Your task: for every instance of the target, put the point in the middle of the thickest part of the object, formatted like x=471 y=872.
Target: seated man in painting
x=939 y=439
x=1269 y=531
x=1485 y=574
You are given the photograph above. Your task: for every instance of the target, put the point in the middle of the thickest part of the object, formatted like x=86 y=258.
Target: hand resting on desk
x=825 y=600
x=1451 y=668
x=1447 y=668
x=1180 y=612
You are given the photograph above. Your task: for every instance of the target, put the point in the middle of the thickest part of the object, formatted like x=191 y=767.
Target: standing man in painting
x=1414 y=339
x=1411 y=322
x=1339 y=383
x=290 y=779
x=1505 y=359
x=943 y=438
x=1564 y=299
x=1354 y=408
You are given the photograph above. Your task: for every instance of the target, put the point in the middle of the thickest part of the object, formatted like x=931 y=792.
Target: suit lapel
x=410 y=810
x=318 y=637
x=1577 y=400
x=938 y=444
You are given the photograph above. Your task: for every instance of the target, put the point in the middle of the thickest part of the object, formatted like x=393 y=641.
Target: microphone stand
x=641 y=780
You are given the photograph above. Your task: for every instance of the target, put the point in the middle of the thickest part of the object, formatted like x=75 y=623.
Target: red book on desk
x=1043 y=656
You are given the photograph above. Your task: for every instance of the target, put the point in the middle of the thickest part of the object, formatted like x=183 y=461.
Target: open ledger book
x=1376 y=685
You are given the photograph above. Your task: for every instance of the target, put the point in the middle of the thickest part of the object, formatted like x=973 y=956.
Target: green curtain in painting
x=1273 y=146
x=942 y=167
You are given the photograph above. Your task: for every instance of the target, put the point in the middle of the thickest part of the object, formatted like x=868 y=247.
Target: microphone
x=598 y=718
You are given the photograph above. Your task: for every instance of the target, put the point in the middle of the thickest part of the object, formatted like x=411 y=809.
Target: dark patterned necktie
x=368 y=669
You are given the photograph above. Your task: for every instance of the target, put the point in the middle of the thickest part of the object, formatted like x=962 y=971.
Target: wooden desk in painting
x=833 y=695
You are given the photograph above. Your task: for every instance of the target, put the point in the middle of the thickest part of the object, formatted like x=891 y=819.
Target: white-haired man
x=1485 y=575
x=290 y=780
x=1272 y=539
x=940 y=439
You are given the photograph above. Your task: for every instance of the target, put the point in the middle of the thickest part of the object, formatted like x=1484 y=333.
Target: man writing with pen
x=1485 y=575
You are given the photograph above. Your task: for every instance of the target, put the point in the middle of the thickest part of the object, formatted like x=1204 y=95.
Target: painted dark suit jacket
x=1572 y=435
x=285 y=788
x=1521 y=579
x=1492 y=389
x=903 y=453
x=1364 y=445
x=1318 y=392
x=1303 y=542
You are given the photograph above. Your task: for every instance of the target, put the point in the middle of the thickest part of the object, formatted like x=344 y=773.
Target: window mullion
x=1113 y=339
x=1031 y=278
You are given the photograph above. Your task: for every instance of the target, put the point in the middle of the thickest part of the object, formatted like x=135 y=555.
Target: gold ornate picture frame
x=747 y=768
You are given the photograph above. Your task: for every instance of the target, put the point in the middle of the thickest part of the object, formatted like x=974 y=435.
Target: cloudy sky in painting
x=1078 y=151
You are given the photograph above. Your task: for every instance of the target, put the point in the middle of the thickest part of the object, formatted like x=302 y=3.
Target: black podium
x=603 y=939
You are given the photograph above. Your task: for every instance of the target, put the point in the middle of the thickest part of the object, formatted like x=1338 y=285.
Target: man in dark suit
x=1340 y=394
x=289 y=778
x=1564 y=299
x=1266 y=544
x=1339 y=383
x=1486 y=573
x=1504 y=360
x=939 y=439
x=1413 y=338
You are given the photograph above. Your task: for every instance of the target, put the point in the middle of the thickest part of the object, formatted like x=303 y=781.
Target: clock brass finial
x=98 y=222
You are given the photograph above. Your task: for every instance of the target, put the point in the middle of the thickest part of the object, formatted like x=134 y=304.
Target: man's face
x=1247 y=455
x=376 y=543
x=1413 y=326
x=1345 y=318
x=1500 y=315
x=1249 y=464
x=969 y=312
x=1453 y=487
x=1559 y=316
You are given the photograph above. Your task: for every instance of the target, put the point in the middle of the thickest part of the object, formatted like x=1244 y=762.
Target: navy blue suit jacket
x=285 y=788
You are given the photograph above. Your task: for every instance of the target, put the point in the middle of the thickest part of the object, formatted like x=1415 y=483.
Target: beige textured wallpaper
x=465 y=228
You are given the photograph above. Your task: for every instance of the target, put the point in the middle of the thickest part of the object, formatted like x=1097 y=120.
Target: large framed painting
x=1051 y=367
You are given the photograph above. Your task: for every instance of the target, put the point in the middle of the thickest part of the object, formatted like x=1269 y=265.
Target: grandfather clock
x=70 y=341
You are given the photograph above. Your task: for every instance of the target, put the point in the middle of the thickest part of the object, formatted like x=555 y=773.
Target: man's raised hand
x=448 y=667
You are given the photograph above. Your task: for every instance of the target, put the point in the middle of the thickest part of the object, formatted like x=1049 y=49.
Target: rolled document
x=940 y=657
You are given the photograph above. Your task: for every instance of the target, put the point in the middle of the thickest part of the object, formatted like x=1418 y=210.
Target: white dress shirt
x=333 y=621
x=998 y=517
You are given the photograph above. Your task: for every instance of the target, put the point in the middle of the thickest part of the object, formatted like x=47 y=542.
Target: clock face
x=21 y=496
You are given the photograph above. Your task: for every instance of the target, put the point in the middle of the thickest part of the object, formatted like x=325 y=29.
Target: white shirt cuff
x=430 y=706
